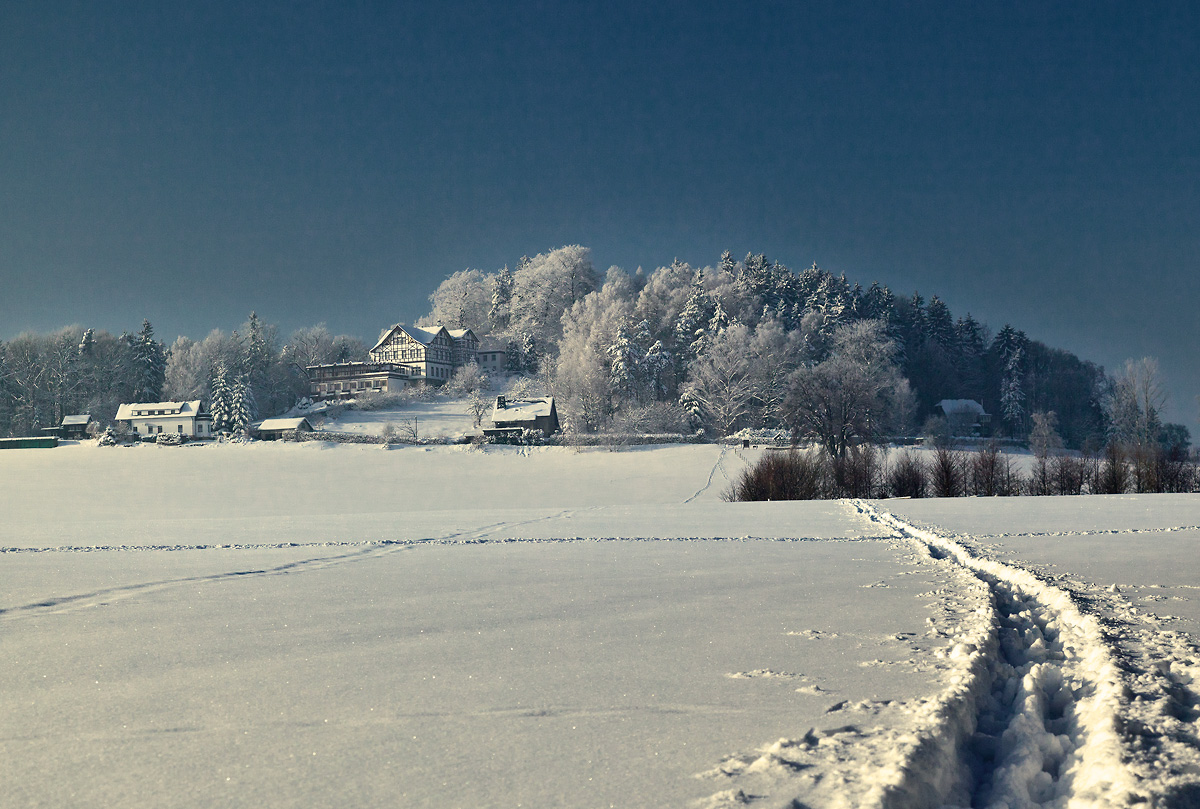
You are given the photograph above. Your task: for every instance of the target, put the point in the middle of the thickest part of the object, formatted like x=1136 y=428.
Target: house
x=74 y=427
x=428 y=354
x=492 y=356
x=965 y=416
x=277 y=428
x=402 y=356
x=155 y=418
x=344 y=380
x=515 y=415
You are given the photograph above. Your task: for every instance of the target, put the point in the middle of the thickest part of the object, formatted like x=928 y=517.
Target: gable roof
x=523 y=409
x=83 y=419
x=284 y=424
x=971 y=406
x=422 y=336
x=458 y=334
x=125 y=412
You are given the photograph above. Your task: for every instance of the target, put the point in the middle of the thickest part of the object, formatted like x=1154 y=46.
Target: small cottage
x=515 y=415
x=188 y=419
x=277 y=428
x=73 y=427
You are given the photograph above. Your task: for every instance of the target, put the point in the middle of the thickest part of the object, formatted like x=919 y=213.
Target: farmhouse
x=965 y=416
x=154 y=418
x=515 y=415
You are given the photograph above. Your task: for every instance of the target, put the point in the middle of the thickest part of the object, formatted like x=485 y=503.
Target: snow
x=279 y=624
x=434 y=419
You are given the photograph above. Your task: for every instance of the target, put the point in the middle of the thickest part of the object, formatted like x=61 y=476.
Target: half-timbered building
x=403 y=355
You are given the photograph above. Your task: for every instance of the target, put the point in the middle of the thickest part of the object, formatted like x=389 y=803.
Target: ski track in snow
x=1043 y=705
x=718 y=464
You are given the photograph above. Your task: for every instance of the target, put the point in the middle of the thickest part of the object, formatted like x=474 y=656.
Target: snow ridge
x=1032 y=716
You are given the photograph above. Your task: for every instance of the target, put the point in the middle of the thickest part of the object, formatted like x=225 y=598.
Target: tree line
x=754 y=344
x=739 y=344
x=239 y=376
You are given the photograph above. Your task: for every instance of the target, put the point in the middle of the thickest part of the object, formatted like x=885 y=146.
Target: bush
x=1069 y=474
x=946 y=473
x=1112 y=476
x=858 y=473
x=790 y=475
x=907 y=477
x=990 y=473
x=168 y=439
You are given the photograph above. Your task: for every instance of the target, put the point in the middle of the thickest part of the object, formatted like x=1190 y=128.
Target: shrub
x=1112 y=476
x=907 y=477
x=790 y=475
x=168 y=439
x=991 y=473
x=858 y=473
x=946 y=473
x=1069 y=474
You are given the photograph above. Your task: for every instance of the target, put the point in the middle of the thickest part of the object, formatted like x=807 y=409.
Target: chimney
x=500 y=403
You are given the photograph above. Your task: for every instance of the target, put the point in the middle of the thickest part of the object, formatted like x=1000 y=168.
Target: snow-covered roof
x=83 y=418
x=522 y=409
x=949 y=406
x=492 y=345
x=421 y=335
x=284 y=423
x=458 y=334
x=151 y=409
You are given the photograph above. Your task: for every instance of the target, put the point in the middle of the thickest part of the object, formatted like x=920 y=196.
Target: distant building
x=515 y=415
x=155 y=418
x=345 y=380
x=492 y=356
x=965 y=417
x=73 y=427
x=274 y=429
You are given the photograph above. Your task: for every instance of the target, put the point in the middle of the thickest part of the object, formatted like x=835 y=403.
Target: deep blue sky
x=1032 y=163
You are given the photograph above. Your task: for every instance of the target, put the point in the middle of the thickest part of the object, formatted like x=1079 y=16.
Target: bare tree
x=721 y=382
x=851 y=397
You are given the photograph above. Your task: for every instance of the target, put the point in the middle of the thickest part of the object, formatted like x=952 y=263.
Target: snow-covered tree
x=150 y=364
x=220 y=399
x=500 y=312
x=720 y=384
x=545 y=287
x=851 y=396
x=243 y=408
x=462 y=301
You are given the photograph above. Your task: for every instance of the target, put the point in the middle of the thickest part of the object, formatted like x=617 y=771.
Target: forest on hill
x=743 y=344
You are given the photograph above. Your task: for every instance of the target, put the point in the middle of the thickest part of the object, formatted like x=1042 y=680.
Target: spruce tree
x=149 y=365
x=221 y=399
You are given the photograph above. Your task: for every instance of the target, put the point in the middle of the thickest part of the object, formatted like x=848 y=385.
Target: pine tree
x=221 y=399
x=693 y=319
x=624 y=371
x=243 y=406
x=500 y=315
x=1012 y=393
x=150 y=364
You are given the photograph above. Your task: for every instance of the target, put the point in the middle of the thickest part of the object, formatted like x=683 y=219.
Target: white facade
x=156 y=418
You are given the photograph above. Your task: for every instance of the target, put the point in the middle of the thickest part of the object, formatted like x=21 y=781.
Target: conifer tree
x=149 y=364
x=220 y=399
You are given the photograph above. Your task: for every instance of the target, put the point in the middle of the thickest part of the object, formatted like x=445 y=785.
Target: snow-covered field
x=321 y=625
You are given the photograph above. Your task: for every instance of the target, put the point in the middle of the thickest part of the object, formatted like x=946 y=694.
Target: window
x=179 y=427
